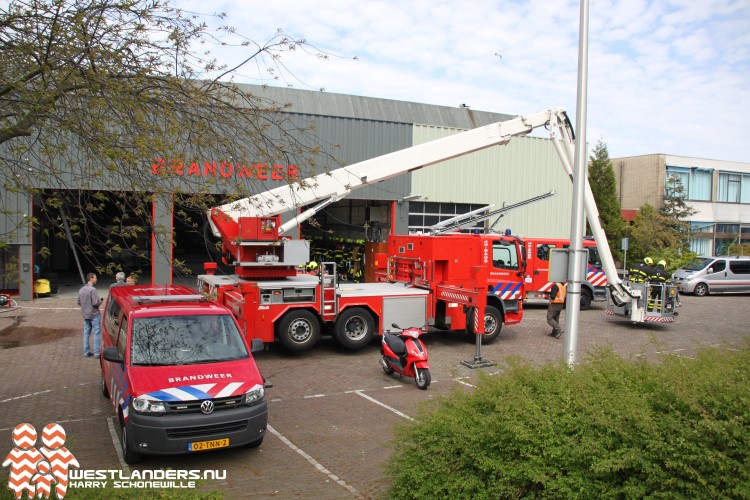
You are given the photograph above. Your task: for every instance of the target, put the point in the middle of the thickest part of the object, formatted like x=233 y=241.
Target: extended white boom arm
x=340 y=182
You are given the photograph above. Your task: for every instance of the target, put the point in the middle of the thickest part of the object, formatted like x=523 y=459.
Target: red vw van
x=179 y=373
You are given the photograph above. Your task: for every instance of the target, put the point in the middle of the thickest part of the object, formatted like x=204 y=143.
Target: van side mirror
x=111 y=354
x=256 y=345
x=710 y=270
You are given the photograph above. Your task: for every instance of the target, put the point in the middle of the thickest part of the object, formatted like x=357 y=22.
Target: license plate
x=208 y=445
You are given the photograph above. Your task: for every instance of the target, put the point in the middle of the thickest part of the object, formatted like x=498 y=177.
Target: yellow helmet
x=311 y=266
x=648 y=260
x=662 y=263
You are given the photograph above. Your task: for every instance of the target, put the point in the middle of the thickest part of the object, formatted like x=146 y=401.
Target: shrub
x=609 y=428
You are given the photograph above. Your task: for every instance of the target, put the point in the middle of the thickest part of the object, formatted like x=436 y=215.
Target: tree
x=654 y=234
x=676 y=210
x=90 y=90
x=603 y=185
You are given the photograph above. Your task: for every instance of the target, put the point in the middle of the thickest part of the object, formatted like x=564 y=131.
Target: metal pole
x=70 y=242
x=575 y=264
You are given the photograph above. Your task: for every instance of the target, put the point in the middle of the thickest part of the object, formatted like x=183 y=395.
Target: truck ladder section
x=460 y=221
x=329 y=300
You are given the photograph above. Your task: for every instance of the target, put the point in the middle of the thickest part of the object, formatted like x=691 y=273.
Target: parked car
x=704 y=275
x=179 y=373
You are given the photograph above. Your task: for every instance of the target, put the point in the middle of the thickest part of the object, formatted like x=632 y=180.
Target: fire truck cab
x=536 y=280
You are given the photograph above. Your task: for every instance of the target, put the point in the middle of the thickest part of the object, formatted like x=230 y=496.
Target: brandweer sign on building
x=260 y=171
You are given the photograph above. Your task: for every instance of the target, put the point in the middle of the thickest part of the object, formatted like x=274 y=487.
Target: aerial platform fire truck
x=273 y=300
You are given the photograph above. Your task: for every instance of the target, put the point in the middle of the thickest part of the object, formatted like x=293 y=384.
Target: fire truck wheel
x=354 y=328
x=299 y=330
x=128 y=454
x=585 y=300
x=493 y=323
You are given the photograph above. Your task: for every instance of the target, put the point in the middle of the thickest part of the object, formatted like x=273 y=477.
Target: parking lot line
x=313 y=462
x=379 y=403
x=116 y=442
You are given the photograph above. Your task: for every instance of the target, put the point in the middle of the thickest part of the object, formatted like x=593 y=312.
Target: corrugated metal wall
x=13 y=225
x=360 y=140
x=524 y=168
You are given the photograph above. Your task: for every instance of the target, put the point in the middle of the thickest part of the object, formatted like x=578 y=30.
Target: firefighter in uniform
x=658 y=278
x=556 y=304
x=641 y=272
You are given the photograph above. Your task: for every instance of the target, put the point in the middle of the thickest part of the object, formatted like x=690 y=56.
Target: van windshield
x=185 y=340
x=697 y=264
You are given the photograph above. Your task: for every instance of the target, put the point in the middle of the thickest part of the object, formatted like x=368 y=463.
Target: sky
x=664 y=76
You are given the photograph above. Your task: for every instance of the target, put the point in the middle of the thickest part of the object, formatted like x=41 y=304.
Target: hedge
x=609 y=428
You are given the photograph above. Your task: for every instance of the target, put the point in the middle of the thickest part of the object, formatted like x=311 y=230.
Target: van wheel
x=354 y=328
x=585 y=300
x=130 y=456
x=493 y=323
x=299 y=330
x=701 y=290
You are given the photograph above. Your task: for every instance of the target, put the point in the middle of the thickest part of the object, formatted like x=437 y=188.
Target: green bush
x=609 y=428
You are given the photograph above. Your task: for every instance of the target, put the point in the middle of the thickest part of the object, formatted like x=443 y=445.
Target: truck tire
x=299 y=330
x=493 y=323
x=585 y=300
x=354 y=328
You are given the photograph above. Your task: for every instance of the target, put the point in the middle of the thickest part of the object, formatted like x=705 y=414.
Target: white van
x=704 y=275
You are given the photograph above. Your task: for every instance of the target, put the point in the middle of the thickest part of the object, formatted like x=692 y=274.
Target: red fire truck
x=272 y=299
x=536 y=281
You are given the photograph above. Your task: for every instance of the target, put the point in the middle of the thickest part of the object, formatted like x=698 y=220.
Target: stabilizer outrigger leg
x=478 y=361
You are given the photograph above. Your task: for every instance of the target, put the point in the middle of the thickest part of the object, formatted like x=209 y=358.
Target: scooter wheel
x=386 y=367
x=422 y=377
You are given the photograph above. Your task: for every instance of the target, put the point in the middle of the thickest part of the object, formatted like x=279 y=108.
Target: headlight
x=142 y=405
x=255 y=394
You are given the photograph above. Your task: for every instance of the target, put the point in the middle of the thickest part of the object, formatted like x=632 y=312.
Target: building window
x=734 y=188
x=422 y=215
x=695 y=182
x=702 y=238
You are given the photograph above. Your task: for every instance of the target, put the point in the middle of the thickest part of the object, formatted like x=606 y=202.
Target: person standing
x=641 y=272
x=131 y=280
x=88 y=299
x=119 y=280
x=658 y=278
x=556 y=304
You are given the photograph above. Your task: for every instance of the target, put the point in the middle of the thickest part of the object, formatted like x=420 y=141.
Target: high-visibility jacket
x=559 y=294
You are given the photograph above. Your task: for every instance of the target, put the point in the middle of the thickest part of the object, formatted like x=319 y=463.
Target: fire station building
x=360 y=128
